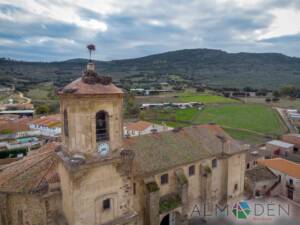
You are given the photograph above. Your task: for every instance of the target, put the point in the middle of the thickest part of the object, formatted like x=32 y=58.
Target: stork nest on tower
x=91 y=77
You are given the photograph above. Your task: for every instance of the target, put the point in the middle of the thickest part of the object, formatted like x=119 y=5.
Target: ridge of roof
x=78 y=87
x=282 y=165
x=30 y=173
x=140 y=125
x=161 y=151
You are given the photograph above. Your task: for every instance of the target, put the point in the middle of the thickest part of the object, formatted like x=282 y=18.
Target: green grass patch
x=169 y=203
x=253 y=118
x=246 y=136
x=258 y=118
x=205 y=98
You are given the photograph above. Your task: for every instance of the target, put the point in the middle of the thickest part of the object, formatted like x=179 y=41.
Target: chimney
x=91 y=66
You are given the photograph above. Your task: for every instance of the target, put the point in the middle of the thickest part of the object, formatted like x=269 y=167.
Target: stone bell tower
x=91 y=107
x=95 y=172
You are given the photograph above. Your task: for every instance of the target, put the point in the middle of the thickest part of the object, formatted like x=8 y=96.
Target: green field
x=187 y=96
x=245 y=121
x=205 y=98
x=43 y=91
x=246 y=136
x=44 y=94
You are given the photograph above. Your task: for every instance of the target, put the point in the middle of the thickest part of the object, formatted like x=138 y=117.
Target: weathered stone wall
x=82 y=121
x=3 y=209
x=26 y=209
x=152 y=207
x=83 y=195
x=67 y=193
x=236 y=175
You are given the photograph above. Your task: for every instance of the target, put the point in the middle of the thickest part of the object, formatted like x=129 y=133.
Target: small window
x=192 y=170
x=164 y=179
x=248 y=165
x=236 y=187
x=291 y=182
x=106 y=204
x=214 y=163
x=66 y=124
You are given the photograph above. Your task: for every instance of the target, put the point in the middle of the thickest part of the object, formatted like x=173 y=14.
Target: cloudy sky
x=49 y=30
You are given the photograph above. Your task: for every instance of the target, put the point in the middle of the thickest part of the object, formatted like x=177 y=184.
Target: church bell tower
x=94 y=170
x=91 y=107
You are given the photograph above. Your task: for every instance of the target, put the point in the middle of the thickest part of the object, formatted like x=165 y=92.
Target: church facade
x=98 y=177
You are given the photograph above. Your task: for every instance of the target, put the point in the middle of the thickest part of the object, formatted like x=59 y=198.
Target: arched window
x=66 y=126
x=102 y=133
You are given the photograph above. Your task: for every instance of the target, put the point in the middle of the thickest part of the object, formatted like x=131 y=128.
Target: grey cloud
x=130 y=33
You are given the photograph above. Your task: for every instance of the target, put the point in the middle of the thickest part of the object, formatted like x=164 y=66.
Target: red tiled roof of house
x=285 y=166
x=292 y=139
x=31 y=174
x=14 y=125
x=138 y=126
x=48 y=121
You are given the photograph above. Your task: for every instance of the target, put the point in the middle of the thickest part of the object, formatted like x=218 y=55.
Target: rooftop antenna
x=91 y=48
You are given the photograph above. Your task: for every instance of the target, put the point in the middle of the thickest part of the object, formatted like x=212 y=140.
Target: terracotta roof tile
x=14 y=125
x=138 y=126
x=78 y=87
x=161 y=151
x=31 y=174
x=260 y=173
x=292 y=139
x=285 y=166
x=48 y=121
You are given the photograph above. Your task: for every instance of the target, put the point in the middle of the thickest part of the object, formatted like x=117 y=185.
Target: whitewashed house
x=47 y=125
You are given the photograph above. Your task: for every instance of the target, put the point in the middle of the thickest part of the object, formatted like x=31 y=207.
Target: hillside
x=212 y=67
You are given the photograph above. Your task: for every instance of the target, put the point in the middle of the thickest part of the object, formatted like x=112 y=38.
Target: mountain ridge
x=208 y=66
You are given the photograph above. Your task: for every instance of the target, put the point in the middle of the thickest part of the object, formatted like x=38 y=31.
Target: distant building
x=6 y=89
x=14 y=124
x=25 y=106
x=260 y=181
x=293 y=114
x=179 y=105
x=143 y=127
x=17 y=112
x=277 y=147
x=47 y=125
x=289 y=176
x=292 y=139
x=253 y=155
x=20 y=143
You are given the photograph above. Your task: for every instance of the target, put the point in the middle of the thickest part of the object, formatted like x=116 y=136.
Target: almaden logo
x=241 y=210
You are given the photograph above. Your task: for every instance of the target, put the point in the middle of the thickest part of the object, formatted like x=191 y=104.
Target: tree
x=249 y=89
x=42 y=109
x=268 y=100
x=131 y=107
x=276 y=94
x=289 y=90
x=6 y=131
